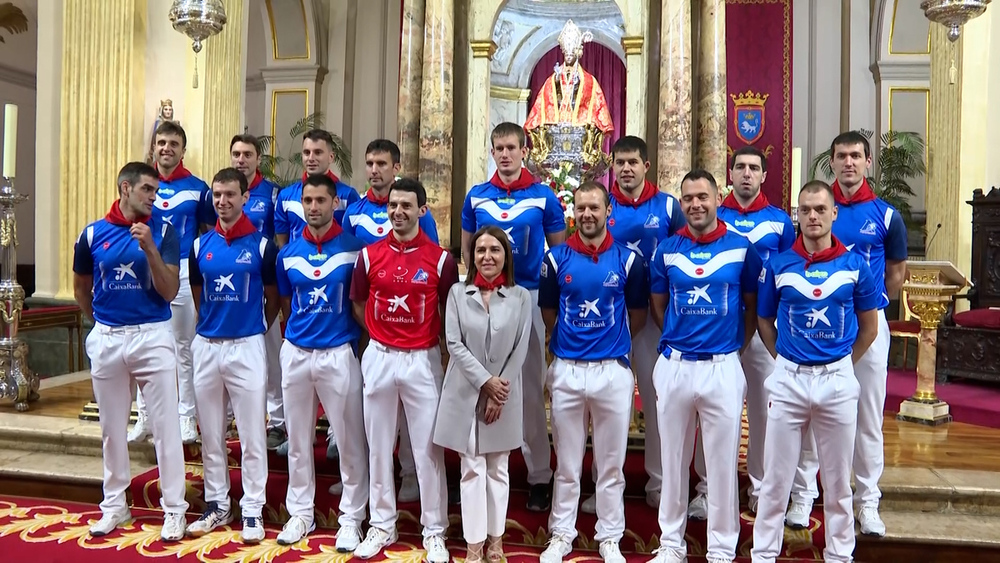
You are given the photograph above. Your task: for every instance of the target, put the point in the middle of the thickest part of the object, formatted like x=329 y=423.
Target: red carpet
x=971 y=402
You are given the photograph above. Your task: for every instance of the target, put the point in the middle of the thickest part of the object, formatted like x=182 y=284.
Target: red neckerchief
x=863 y=194
x=713 y=236
x=329 y=235
x=482 y=283
x=241 y=228
x=523 y=181
x=257 y=179
x=649 y=191
x=835 y=250
x=403 y=246
x=328 y=174
x=370 y=194
x=116 y=217
x=756 y=205
x=576 y=243
x=179 y=173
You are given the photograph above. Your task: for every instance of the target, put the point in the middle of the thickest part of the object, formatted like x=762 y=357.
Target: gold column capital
x=633 y=44
x=483 y=49
x=510 y=94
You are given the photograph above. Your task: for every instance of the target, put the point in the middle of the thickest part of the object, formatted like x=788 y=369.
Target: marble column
x=222 y=79
x=437 y=112
x=674 y=147
x=635 y=87
x=712 y=91
x=411 y=68
x=100 y=119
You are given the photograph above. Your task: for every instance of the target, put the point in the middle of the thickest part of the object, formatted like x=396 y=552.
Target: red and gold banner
x=759 y=68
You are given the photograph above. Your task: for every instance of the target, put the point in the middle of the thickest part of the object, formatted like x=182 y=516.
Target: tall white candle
x=796 y=185
x=9 y=140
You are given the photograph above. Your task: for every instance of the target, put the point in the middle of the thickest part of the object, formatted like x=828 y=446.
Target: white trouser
x=485 y=489
x=406 y=465
x=581 y=392
x=333 y=374
x=413 y=378
x=272 y=351
x=536 y=450
x=757 y=365
x=713 y=391
x=233 y=366
x=644 y=345
x=183 y=320
x=869 y=454
x=143 y=354
x=824 y=398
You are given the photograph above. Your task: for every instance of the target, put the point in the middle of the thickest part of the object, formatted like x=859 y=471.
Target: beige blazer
x=472 y=363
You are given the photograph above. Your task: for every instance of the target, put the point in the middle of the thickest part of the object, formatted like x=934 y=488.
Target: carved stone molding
x=483 y=49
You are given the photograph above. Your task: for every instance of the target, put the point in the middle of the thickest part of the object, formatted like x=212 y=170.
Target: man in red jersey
x=399 y=289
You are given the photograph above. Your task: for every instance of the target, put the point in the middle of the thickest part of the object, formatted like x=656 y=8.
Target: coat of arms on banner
x=749 y=116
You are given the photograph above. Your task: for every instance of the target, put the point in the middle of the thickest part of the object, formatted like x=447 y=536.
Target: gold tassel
x=194 y=83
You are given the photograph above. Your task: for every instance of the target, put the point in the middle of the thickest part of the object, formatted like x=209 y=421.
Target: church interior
x=697 y=79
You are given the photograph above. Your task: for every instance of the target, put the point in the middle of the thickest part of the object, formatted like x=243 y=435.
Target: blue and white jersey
x=816 y=305
x=318 y=281
x=289 y=217
x=527 y=215
x=123 y=285
x=184 y=201
x=592 y=299
x=259 y=207
x=369 y=221
x=875 y=230
x=769 y=230
x=642 y=227
x=232 y=280
x=704 y=283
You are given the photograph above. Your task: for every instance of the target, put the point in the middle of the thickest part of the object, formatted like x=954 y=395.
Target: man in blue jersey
x=531 y=215
x=825 y=302
x=236 y=296
x=641 y=217
x=594 y=296
x=185 y=202
x=318 y=359
x=746 y=211
x=317 y=158
x=125 y=273
x=871 y=227
x=703 y=286
x=244 y=152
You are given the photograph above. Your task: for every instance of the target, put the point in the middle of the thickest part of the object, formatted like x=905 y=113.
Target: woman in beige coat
x=487 y=325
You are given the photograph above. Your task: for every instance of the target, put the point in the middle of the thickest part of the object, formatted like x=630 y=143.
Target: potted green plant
x=285 y=167
x=12 y=19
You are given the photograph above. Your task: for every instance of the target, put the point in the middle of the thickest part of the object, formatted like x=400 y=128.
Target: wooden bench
x=69 y=317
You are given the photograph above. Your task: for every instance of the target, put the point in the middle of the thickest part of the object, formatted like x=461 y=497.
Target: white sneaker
x=436 y=551
x=109 y=521
x=698 y=508
x=295 y=530
x=173 y=526
x=589 y=505
x=797 y=517
x=348 y=538
x=559 y=547
x=653 y=499
x=610 y=552
x=253 y=529
x=212 y=518
x=409 y=490
x=664 y=555
x=871 y=522
x=337 y=488
x=141 y=430
x=376 y=540
x=189 y=430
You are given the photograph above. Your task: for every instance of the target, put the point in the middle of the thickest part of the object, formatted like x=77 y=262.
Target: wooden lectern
x=929 y=287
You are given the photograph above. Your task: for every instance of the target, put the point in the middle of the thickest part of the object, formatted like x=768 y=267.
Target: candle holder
x=17 y=381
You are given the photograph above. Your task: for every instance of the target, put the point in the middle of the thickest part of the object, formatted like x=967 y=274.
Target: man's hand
x=493 y=410
x=497 y=389
x=141 y=233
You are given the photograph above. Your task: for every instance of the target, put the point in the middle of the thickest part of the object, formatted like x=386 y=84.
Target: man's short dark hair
x=593 y=186
x=630 y=143
x=247 y=139
x=749 y=151
x=172 y=128
x=384 y=145
x=322 y=180
x=133 y=173
x=850 y=138
x=700 y=174
x=227 y=175
x=815 y=187
x=508 y=129
x=412 y=186
x=319 y=135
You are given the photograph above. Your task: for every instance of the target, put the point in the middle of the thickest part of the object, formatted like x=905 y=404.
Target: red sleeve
x=360 y=287
x=448 y=278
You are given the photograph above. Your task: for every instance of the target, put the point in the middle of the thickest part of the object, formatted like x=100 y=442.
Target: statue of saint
x=571 y=96
x=166 y=113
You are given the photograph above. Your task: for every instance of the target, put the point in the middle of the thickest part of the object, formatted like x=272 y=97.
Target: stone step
x=35 y=433
x=941 y=491
x=57 y=467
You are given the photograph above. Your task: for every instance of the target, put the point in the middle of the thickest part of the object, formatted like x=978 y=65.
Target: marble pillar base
x=928 y=412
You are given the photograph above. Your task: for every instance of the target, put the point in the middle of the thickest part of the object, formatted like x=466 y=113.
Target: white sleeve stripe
x=555 y=269
x=440 y=265
x=90 y=236
x=197 y=247
x=888 y=217
x=263 y=246
x=364 y=253
x=629 y=262
x=670 y=209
